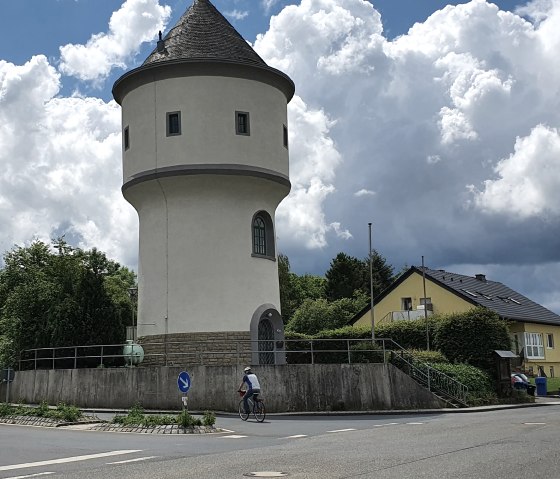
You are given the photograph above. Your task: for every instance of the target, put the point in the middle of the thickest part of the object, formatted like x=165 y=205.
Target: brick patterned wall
x=226 y=348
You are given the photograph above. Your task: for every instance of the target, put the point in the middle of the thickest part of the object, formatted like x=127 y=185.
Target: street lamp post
x=133 y=292
x=371 y=286
x=425 y=306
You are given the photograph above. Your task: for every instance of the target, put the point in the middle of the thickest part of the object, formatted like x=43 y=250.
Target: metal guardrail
x=432 y=379
x=297 y=351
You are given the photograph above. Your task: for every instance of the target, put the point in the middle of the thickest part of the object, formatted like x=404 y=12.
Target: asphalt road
x=516 y=443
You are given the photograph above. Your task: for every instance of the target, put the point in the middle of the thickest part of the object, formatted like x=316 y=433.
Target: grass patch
x=137 y=417
x=62 y=412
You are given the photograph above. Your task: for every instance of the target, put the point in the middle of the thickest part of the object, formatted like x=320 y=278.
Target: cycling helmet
x=247 y=369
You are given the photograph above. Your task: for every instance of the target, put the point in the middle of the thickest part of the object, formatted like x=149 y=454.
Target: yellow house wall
x=551 y=355
x=443 y=301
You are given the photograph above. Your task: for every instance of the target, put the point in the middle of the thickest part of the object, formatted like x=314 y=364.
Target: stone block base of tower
x=216 y=348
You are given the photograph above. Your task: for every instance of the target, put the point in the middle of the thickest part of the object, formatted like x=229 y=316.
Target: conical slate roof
x=203 y=33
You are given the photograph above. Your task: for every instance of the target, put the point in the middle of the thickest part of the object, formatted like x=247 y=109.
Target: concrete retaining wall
x=302 y=387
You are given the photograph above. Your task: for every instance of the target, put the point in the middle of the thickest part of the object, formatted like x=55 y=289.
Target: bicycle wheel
x=242 y=414
x=259 y=411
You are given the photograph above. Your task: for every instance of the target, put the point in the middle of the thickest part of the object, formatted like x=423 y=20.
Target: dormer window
x=173 y=121
x=242 y=126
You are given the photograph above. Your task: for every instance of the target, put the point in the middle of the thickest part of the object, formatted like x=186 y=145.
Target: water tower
x=205 y=165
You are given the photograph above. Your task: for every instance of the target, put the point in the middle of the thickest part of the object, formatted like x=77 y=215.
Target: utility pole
x=371 y=286
x=425 y=306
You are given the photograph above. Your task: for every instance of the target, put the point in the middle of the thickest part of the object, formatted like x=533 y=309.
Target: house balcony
x=407 y=315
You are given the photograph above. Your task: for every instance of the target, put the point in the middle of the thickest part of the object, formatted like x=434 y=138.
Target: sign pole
x=371 y=286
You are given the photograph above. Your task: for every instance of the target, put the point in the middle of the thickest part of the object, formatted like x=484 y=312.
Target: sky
x=437 y=122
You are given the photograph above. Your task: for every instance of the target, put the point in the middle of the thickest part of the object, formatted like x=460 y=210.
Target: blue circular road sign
x=184 y=381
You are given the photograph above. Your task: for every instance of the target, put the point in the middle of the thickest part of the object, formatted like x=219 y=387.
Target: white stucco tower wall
x=205 y=165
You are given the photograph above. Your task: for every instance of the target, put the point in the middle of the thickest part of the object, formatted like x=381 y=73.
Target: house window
x=285 y=136
x=551 y=372
x=126 y=139
x=259 y=236
x=173 y=123
x=550 y=341
x=263 y=236
x=406 y=304
x=242 y=123
x=534 y=348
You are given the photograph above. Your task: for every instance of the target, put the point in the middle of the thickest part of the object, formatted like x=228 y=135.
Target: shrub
x=471 y=337
x=429 y=357
x=187 y=421
x=66 y=413
x=42 y=410
x=209 y=418
x=366 y=352
x=297 y=342
x=6 y=410
x=408 y=334
x=479 y=382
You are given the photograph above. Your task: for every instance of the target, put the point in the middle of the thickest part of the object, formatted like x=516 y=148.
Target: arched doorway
x=266 y=341
x=267 y=336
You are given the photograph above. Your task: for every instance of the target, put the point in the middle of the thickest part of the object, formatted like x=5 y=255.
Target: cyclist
x=253 y=386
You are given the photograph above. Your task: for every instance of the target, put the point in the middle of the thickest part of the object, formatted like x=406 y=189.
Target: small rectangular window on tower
x=242 y=123
x=285 y=136
x=126 y=138
x=173 y=123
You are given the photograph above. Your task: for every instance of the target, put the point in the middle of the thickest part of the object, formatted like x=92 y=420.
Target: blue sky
x=444 y=135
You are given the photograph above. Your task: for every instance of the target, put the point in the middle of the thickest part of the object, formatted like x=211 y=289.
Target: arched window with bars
x=263 y=235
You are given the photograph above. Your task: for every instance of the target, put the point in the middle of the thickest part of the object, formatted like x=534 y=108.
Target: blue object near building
x=184 y=381
x=541 y=386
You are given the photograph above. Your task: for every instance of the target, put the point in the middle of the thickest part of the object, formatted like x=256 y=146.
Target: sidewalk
x=108 y=414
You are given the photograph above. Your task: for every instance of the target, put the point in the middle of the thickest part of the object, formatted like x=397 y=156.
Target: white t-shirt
x=251 y=381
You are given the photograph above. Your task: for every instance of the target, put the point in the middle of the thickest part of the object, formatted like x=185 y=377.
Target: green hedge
x=471 y=337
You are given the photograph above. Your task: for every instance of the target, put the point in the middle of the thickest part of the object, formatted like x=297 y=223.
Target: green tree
x=61 y=297
x=294 y=289
x=315 y=315
x=348 y=274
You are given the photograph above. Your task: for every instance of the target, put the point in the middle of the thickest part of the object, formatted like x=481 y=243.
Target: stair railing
x=434 y=380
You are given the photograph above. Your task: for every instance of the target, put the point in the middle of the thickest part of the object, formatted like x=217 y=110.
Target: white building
x=205 y=165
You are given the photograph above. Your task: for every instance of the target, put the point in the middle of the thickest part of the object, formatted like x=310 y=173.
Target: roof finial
x=160 y=44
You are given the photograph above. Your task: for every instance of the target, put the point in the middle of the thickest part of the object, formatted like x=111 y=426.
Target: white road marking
x=386 y=424
x=296 y=436
x=535 y=423
x=31 y=475
x=342 y=430
x=233 y=436
x=133 y=460
x=67 y=459
x=415 y=423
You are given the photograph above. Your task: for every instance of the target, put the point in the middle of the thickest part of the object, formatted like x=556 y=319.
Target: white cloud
x=137 y=21
x=268 y=4
x=461 y=86
x=314 y=160
x=364 y=192
x=61 y=164
x=529 y=179
x=237 y=14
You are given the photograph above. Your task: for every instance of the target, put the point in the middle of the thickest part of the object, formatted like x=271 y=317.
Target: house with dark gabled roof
x=535 y=330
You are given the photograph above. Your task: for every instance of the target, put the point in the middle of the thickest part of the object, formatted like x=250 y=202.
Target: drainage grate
x=266 y=474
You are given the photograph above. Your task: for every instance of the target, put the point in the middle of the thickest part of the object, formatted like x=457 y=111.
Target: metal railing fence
x=297 y=351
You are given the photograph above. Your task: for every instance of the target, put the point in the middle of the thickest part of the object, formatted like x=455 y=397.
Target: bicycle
x=256 y=405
